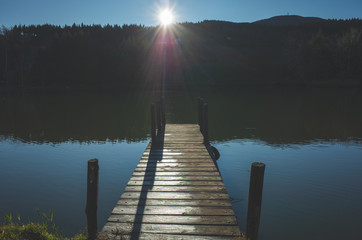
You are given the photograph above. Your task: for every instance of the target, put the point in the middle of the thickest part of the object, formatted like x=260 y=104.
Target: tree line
x=192 y=54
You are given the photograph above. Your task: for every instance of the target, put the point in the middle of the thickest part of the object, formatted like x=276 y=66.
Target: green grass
x=13 y=229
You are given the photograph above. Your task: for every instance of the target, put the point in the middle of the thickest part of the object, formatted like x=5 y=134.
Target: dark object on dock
x=92 y=198
x=215 y=152
x=255 y=196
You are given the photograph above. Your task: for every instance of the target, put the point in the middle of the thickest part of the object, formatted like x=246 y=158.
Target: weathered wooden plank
x=185 y=132
x=177 y=154
x=185 y=140
x=175 y=135
x=193 y=173
x=172 y=202
x=159 y=158
x=176 y=178
x=180 y=148
x=208 y=230
x=177 y=189
x=165 y=158
x=175 y=165
x=171 y=126
x=176 y=146
x=172 y=195
x=173 y=154
x=181 y=129
x=174 y=126
x=178 y=135
x=153 y=236
x=174 y=219
x=173 y=160
x=175 y=183
x=174 y=210
x=190 y=131
x=175 y=169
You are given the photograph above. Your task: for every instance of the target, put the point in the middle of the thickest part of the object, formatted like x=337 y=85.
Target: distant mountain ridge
x=286 y=20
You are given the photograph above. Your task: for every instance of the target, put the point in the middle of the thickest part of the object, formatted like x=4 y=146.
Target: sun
x=166 y=17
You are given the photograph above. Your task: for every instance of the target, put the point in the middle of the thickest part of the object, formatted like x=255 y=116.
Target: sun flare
x=166 y=17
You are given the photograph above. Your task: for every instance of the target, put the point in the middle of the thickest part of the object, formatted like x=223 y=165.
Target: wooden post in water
x=159 y=116
x=163 y=112
x=200 y=108
x=255 y=196
x=205 y=124
x=92 y=198
x=153 y=123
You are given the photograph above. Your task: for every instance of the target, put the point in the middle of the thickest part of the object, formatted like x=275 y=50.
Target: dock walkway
x=175 y=192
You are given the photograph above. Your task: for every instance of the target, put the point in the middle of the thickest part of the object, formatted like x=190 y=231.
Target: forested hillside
x=325 y=52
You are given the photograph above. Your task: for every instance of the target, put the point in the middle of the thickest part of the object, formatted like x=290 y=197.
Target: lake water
x=309 y=139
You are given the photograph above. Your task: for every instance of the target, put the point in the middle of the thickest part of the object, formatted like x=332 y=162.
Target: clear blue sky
x=61 y=12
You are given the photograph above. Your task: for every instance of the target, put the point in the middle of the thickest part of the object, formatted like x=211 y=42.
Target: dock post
x=205 y=124
x=153 y=123
x=92 y=198
x=200 y=108
x=163 y=112
x=159 y=116
x=255 y=196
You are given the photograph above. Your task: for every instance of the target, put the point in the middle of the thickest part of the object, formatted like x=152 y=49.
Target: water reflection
x=79 y=117
x=276 y=115
x=254 y=124
x=273 y=115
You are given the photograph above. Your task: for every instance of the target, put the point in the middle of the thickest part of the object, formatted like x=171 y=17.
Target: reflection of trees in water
x=274 y=115
x=279 y=115
x=78 y=117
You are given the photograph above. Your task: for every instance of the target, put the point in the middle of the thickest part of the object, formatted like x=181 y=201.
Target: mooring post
x=200 y=108
x=159 y=116
x=153 y=123
x=92 y=198
x=163 y=112
x=255 y=196
x=205 y=129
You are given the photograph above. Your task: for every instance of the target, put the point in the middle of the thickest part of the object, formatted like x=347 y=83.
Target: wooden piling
x=200 y=106
x=255 y=197
x=205 y=124
x=153 y=123
x=163 y=112
x=92 y=198
x=159 y=116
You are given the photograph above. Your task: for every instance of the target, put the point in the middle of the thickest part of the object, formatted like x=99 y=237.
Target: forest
x=208 y=53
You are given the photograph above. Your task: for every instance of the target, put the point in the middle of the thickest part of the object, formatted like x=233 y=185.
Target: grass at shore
x=43 y=230
x=33 y=231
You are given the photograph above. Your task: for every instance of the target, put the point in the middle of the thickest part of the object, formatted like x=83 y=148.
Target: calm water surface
x=310 y=140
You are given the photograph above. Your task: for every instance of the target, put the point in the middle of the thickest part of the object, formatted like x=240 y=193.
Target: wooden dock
x=175 y=192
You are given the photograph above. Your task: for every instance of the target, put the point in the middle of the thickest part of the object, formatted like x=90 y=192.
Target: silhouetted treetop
x=207 y=53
